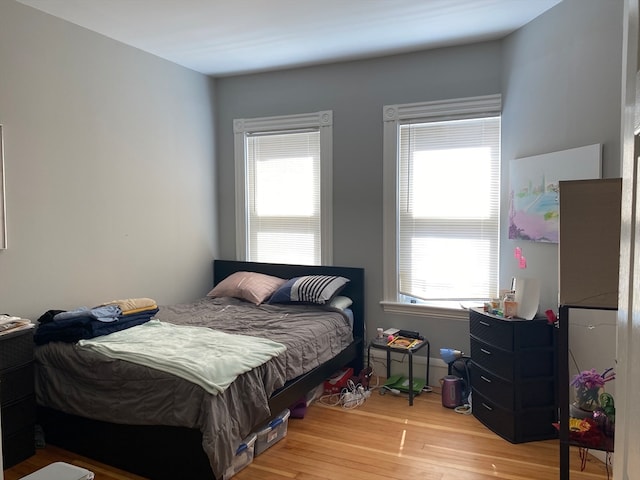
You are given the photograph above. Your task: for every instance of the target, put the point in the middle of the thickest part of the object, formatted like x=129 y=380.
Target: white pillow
x=341 y=302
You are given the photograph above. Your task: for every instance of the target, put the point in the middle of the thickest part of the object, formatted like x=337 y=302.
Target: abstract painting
x=533 y=195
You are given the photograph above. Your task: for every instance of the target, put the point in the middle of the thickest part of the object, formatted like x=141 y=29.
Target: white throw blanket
x=209 y=358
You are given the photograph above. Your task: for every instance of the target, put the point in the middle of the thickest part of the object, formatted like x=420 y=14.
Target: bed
x=160 y=426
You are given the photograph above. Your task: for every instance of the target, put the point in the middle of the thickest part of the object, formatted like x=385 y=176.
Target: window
x=283 y=188
x=442 y=202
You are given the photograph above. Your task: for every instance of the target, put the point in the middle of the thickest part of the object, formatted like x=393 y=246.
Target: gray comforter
x=91 y=385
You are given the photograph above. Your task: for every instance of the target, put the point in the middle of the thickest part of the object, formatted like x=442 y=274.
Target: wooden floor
x=382 y=439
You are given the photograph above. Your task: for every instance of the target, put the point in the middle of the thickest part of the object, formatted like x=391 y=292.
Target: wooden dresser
x=513 y=376
x=17 y=397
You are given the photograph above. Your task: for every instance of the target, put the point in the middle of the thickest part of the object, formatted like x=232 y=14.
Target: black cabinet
x=513 y=376
x=17 y=398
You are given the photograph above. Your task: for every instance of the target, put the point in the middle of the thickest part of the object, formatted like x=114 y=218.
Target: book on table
x=404 y=342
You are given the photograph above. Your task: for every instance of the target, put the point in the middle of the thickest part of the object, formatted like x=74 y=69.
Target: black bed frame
x=165 y=452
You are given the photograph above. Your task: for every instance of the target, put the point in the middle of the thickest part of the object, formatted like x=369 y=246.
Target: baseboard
x=400 y=365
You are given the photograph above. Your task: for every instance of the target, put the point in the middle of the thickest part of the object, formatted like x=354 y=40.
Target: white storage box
x=275 y=431
x=60 y=471
x=244 y=456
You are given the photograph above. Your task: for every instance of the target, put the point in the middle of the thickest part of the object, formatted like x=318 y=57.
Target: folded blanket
x=206 y=357
x=108 y=313
x=140 y=310
x=130 y=305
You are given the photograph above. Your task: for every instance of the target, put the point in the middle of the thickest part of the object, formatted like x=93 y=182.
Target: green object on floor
x=400 y=382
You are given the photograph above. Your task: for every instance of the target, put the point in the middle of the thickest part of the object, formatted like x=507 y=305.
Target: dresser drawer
x=524 y=426
x=520 y=366
x=18 y=447
x=499 y=420
x=16 y=384
x=491 y=330
x=510 y=395
x=510 y=334
x=492 y=387
x=496 y=360
x=18 y=415
x=16 y=349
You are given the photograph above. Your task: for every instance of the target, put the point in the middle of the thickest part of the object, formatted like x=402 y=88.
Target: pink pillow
x=250 y=286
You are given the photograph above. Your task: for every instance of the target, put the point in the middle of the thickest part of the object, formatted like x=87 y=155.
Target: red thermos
x=451 y=391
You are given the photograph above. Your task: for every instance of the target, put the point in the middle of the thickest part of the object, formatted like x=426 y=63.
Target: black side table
x=382 y=345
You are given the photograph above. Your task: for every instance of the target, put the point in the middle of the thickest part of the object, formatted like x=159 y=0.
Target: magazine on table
x=404 y=342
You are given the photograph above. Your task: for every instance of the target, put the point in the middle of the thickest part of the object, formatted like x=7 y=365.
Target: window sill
x=425 y=310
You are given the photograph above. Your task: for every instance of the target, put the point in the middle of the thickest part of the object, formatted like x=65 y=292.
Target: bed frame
x=163 y=452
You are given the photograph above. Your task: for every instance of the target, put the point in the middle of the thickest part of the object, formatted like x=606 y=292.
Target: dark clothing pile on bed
x=84 y=323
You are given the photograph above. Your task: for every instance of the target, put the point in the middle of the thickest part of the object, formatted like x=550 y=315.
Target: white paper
x=528 y=296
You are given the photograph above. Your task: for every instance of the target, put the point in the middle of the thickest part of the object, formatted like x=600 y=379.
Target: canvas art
x=534 y=203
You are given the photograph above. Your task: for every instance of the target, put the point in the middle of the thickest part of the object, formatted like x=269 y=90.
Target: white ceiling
x=226 y=37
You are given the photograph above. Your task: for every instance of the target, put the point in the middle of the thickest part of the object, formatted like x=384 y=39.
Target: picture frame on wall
x=3 y=211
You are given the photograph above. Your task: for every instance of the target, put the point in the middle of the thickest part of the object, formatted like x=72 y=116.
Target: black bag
x=461 y=368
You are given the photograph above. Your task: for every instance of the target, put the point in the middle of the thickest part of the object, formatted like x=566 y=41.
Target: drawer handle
x=485 y=323
x=486 y=352
x=487 y=407
x=485 y=379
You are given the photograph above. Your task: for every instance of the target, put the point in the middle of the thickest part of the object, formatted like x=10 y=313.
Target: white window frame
x=242 y=127
x=393 y=117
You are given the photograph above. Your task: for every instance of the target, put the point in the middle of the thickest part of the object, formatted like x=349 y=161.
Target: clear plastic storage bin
x=244 y=456
x=275 y=431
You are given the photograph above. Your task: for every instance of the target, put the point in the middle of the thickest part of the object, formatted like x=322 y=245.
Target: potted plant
x=588 y=385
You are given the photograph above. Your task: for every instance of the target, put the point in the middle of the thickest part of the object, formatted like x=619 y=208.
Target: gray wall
x=561 y=89
x=109 y=163
x=356 y=92
x=560 y=77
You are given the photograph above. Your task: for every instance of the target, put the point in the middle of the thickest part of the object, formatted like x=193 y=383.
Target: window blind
x=449 y=208
x=283 y=197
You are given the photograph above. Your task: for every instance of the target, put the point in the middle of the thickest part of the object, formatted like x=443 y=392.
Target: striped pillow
x=309 y=289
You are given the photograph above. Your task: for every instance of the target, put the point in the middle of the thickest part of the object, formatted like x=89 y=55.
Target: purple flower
x=592 y=379
x=588 y=383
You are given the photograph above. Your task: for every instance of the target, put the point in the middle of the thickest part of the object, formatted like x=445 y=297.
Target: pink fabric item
x=250 y=286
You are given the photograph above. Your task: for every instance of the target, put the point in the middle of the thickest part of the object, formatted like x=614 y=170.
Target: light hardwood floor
x=382 y=439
